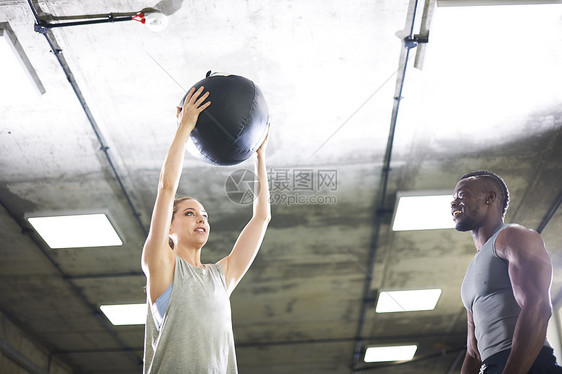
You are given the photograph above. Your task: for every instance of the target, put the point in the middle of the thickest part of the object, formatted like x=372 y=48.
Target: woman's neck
x=191 y=255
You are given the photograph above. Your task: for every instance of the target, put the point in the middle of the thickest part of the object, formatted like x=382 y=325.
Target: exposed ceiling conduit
x=20 y=358
x=39 y=24
x=550 y=213
x=42 y=26
x=280 y=343
x=409 y=42
x=105 y=149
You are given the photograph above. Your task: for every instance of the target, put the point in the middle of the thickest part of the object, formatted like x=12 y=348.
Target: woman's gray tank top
x=196 y=334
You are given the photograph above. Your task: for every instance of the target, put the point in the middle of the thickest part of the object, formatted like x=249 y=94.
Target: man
x=506 y=288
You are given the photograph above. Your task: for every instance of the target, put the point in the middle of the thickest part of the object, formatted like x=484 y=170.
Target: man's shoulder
x=515 y=230
x=515 y=238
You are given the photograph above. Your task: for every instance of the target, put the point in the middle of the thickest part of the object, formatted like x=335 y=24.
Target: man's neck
x=485 y=232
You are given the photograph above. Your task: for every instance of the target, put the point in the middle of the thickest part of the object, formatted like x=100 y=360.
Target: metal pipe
x=550 y=213
x=107 y=275
x=103 y=146
x=110 y=18
x=456 y=362
x=381 y=206
x=20 y=359
x=287 y=342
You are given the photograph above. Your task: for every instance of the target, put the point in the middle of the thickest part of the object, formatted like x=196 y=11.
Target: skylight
x=390 y=353
x=75 y=230
x=407 y=301
x=125 y=314
x=419 y=211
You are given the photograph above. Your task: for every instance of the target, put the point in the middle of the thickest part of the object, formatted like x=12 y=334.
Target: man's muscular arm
x=530 y=272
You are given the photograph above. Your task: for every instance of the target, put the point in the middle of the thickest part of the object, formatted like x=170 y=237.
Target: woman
x=189 y=326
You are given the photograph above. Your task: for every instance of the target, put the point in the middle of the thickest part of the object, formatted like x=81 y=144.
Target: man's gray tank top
x=196 y=334
x=487 y=293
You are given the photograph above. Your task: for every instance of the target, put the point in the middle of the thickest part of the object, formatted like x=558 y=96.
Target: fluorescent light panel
x=423 y=212
x=76 y=231
x=125 y=314
x=407 y=301
x=391 y=353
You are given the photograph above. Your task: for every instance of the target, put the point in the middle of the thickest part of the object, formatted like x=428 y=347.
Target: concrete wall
x=21 y=354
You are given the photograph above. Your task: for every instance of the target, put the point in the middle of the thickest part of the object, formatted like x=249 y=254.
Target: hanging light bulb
x=154 y=20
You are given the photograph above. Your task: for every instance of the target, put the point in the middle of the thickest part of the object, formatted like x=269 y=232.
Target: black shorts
x=544 y=364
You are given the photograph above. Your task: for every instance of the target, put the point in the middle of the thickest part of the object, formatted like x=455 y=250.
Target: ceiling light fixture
x=75 y=230
x=390 y=353
x=125 y=314
x=407 y=301
x=19 y=80
x=422 y=211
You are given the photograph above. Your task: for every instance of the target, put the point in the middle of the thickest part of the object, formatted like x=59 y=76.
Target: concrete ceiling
x=331 y=72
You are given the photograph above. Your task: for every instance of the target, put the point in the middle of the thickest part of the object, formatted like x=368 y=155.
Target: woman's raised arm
x=248 y=244
x=157 y=256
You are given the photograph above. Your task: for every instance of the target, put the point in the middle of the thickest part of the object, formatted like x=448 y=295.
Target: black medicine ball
x=233 y=127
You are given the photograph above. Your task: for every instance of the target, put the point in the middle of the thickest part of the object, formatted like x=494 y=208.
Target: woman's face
x=190 y=223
